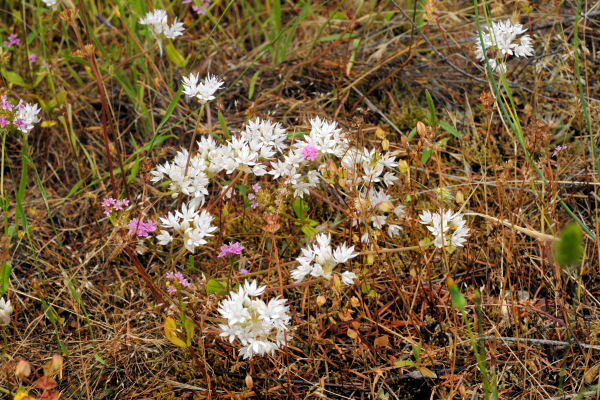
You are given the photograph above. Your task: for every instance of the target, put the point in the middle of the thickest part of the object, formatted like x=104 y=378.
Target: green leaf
x=253 y=84
x=412 y=134
x=174 y=55
x=213 y=286
x=189 y=331
x=5 y=277
x=309 y=230
x=300 y=208
x=426 y=155
x=569 y=248
x=404 y=363
x=13 y=77
x=99 y=359
x=450 y=129
x=224 y=127
x=432 y=115
x=458 y=300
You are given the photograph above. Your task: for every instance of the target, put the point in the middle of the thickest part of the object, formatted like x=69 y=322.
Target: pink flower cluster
x=252 y=196
x=176 y=276
x=12 y=39
x=231 y=249
x=559 y=149
x=111 y=205
x=140 y=228
x=310 y=152
x=203 y=9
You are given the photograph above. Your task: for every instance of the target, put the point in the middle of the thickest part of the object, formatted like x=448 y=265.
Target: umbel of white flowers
x=259 y=326
x=448 y=228
x=320 y=259
x=503 y=40
x=157 y=22
x=203 y=91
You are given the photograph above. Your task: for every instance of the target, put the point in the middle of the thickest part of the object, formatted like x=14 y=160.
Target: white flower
x=259 y=326
x=371 y=210
x=5 y=311
x=193 y=226
x=448 y=228
x=319 y=260
x=502 y=41
x=28 y=113
x=367 y=167
x=158 y=24
x=49 y=3
x=348 y=277
x=204 y=90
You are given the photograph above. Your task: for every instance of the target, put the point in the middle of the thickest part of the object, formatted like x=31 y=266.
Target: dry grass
x=537 y=317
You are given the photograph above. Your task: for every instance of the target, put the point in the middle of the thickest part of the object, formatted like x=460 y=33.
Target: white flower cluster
x=194 y=226
x=5 y=311
x=259 y=326
x=259 y=142
x=367 y=167
x=158 y=24
x=372 y=208
x=191 y=179
x=504 y=40
x=327 y=139
x=320 y=259
x=50 y=3
x=448 y=228
x=203 y=91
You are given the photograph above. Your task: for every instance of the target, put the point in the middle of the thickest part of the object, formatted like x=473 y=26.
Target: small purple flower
x=201 y=10
x=171 y=289
x=140 y=228
x=21 y=105
x=12 y=39
x=45 y=64
x=231 y=249
x=251 y=196
x=186 y=1
x=32 y=58
x=310 y=152
x=256 y=187
x=243 y=271
x=3 y=122
x=20 y=124
x=5 y=104
x=558 y=149
x=170 y=275
x=254 y=204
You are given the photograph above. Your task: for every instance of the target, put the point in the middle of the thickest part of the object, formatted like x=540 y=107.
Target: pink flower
x=171 y=289
x=186 y=1
x=243 y=271
x=251 y=196
x=20 y=124
x=254 y=204
x=32 y=58
x=5 y=104
x=558 y=149
x=310 y=152
x=170 y=275
x=3 y=122
x=231 y=249
x=12 y=39
x=140 y=228
x=256 y=187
